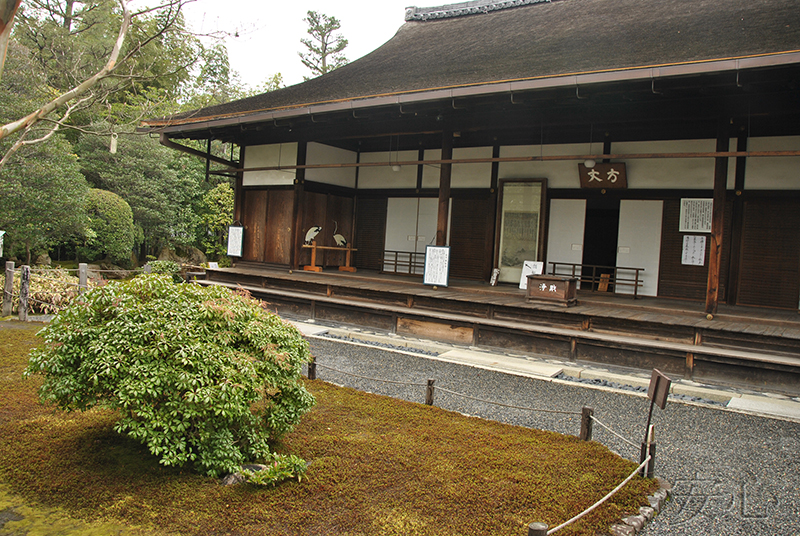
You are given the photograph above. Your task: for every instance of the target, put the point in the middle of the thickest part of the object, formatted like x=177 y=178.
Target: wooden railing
x=601 y=278
x=403 y=262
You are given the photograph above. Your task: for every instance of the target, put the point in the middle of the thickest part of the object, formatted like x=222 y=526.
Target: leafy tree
x=161 y=194
x=325 y=50
x=200 y=375
x=91 y=52
x=110 y=231
x=42 y=192
x=217 y=216
x=42 y=199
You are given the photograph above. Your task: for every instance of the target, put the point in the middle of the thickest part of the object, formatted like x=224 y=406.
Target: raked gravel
x=732 y=473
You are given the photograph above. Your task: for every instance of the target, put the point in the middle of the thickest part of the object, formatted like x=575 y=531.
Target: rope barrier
x=601 y=501
x=449 y=391
x=631 y=443
x=43 y=270
x=508 y=405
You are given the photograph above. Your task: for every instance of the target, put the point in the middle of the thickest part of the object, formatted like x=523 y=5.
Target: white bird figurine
x=340 y=240
x=312 y=233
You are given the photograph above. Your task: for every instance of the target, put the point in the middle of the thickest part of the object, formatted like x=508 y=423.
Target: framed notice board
x=437 y=265
x=235 y=239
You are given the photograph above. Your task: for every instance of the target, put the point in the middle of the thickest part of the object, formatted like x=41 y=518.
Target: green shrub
x=111 y=229
x=170 y=268
x=200 y=375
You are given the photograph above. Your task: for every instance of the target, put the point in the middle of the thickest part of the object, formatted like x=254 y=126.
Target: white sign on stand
x=530 y=268
x=235 y=240
x=437 y=265
x=1 y=242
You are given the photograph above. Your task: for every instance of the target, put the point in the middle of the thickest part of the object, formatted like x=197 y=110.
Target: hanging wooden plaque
x=605 y=176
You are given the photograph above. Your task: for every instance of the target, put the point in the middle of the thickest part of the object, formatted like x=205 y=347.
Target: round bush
x=200 y=375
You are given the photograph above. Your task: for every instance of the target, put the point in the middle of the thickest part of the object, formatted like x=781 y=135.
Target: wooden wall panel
x=339 y=219
x=676 y=280
x=370 y=233
x=278 y=240
x=470 y=233
x=770 y=260
x=255 y=224
x=314 y=213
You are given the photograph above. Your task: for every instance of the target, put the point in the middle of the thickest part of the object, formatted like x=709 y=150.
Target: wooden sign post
x=657 y=393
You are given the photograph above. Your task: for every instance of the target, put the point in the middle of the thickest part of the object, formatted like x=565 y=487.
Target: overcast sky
x=270 y=30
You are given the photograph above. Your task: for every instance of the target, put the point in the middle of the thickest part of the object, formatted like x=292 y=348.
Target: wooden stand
x=552 y=289
x=314 y=247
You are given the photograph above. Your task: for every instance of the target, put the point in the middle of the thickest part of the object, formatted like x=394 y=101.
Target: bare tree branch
x=25 y=124
x=56 y=124
x=36 y=116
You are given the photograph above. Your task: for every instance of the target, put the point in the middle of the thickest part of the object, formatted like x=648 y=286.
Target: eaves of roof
x=533 y=46
x=576 y=80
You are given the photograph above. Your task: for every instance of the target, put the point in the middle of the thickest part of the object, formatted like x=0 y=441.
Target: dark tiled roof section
x=464 y=8
x=544 y=40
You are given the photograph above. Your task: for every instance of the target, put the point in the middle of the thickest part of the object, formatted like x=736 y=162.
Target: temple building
x=645 y=147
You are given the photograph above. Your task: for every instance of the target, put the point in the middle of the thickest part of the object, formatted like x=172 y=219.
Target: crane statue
x=340 y=239
x=312 y=233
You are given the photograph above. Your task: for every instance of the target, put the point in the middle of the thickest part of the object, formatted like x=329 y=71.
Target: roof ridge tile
x=473 y=7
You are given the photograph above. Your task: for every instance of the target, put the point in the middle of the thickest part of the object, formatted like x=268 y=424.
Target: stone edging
x=633 y=524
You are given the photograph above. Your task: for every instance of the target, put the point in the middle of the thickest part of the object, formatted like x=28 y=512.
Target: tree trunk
x=8 y=8
x=68 y=8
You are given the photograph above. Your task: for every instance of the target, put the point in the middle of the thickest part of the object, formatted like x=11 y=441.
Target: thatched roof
x=483 y=43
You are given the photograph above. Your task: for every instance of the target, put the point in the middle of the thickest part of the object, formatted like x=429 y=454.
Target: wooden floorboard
x=669 y=312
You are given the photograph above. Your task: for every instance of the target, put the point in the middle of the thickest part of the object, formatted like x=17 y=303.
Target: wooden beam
x=717 y=223
x=445 y=173
x=166 y=142
x=297 y=208
x=547 y=158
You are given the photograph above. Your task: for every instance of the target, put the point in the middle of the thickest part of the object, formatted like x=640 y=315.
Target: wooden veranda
x=743 y=346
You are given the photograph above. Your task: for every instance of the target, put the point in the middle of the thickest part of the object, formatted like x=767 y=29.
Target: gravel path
x=733 y=474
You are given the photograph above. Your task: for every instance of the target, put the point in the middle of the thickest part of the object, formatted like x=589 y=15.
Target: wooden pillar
x=238 y=190
x=444 y=188
x=298 y=205
x=737 y=222
x=717 y=223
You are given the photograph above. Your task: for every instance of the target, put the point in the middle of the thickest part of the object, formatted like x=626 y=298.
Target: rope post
x=648 y=447
x=83 y=276
x=586 y=423
x=24 y=290
x=429 y=393
x=8 y=291
x=312 y=368
x=651 y=465
x=537 y=529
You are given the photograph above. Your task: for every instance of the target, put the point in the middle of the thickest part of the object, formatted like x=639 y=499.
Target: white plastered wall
x=279 y=154
x=559 y=173
x=411 y=223
x=639 y=242
x=373 y=177
x=671 y=173
x=565 y=231
x=773 y=172
x=319 y=153
x=478 y=175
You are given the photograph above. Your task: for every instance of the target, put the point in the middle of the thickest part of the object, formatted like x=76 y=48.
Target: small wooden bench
x=314 y=247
